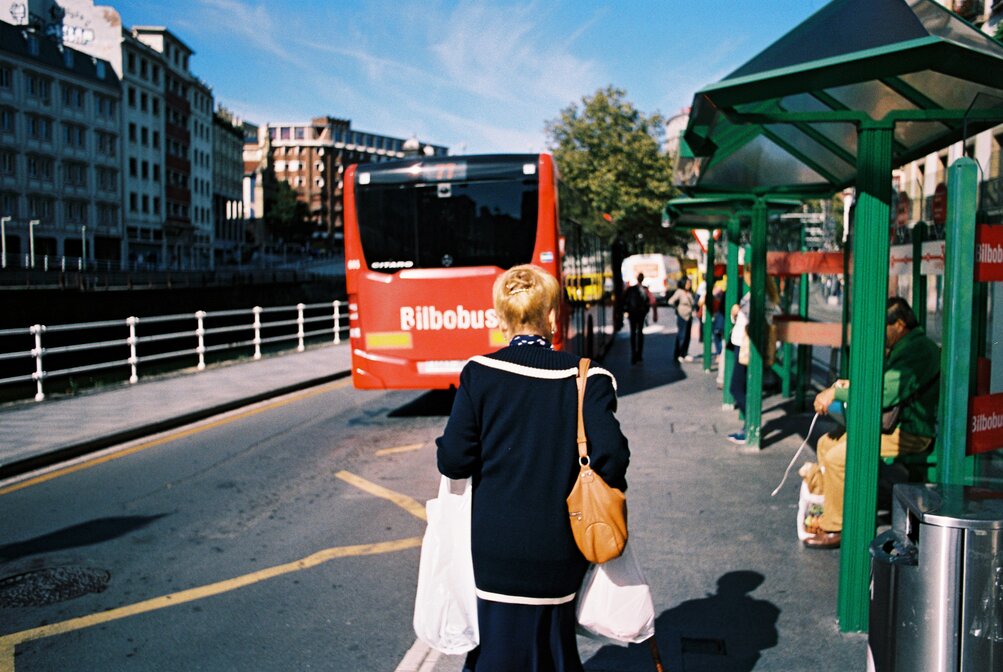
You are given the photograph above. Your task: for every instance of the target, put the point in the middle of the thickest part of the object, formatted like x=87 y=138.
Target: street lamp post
x=31 y=240
x=83 y=247
x=3 y=241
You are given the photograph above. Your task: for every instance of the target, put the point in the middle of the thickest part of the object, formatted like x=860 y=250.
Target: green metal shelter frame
x=860 y=87
x=729 y=212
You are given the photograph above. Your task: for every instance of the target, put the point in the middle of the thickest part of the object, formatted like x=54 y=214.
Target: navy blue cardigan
x=513 y=429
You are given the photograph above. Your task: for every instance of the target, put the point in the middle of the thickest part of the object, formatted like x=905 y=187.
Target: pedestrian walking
x=637 y=302
x=513 y=430
x=684 y=302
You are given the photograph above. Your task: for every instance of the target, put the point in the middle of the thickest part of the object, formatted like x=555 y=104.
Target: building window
x=142 y=68
x=155 y=71
x=39 y=128
x=68 y=58
x=132 y=96
x=156 y=107
x=99 y=69
x=8 y=204
x=73 y=97
x=105 y=106
x=75 y=174
x=133 y=201
x=107 y=179
x=156 y=173
x=32 y=45
x=145 y=173
x=132 y=167
x=132 y=132
x=144 y=136
x=6 y=78
x=107 y=146
x=143 y=102
x=156 y=205
x=38 y=87
x=156 y=139
x=8 y=163
x=146 y=203
x=40 y=168
x=40 y=207
x=76 y=212
x=131 y=62
x=75 y=136
x=107 y=214
x=6 y=120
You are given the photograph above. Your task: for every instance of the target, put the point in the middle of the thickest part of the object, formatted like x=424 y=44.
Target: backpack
x=636 y=300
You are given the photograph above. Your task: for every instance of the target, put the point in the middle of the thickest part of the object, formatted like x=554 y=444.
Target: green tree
x=287 y=215
x=613 y=155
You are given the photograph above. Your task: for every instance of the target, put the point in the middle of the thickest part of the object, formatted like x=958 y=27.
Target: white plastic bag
x=445 y=604
x=615 y=603
x=808 y=504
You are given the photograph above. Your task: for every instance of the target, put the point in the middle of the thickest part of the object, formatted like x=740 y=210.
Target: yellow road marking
x=409 y=504
x=8 y=642
x=399 y=449
x=80 y=466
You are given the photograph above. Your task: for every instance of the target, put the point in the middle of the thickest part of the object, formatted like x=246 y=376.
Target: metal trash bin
x=943 y=563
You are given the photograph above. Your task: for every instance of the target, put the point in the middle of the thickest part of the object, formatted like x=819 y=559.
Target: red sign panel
x=796 y=263
x=985 y=427
x=989 y=253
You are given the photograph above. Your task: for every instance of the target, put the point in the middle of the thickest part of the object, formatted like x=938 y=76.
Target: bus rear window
x=484 y=223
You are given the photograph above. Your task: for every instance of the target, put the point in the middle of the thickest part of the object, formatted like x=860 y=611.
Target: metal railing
x=167 y=337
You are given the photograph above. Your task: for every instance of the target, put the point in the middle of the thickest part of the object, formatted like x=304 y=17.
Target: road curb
x=73 y=450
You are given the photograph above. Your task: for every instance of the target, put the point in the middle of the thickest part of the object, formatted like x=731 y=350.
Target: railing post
x=299 y=322
x=337 y=322
x=45 y=263
x=133 y=341
x=200 y=332
x=257 y=332
x=37 y=353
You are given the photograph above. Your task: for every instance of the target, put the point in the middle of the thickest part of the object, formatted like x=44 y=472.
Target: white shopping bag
x=615 y=602
x=808 y=504
x=445 y=605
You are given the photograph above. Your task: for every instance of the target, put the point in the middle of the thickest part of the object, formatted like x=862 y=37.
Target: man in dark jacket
x=637 y=301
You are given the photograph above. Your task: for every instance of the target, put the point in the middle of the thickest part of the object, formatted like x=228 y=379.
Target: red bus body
x=415 y=327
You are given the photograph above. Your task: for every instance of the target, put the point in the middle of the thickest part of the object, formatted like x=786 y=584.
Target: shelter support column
x=804 y=351
x=757 y=326
x=868 y=295
x=956 y=355
x=918 y=279
x=730 y=299
x=708 y=310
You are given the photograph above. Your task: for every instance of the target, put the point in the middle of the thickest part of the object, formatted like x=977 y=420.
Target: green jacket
x=910 y=366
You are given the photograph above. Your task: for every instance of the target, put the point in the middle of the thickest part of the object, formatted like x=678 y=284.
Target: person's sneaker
x=737 y=437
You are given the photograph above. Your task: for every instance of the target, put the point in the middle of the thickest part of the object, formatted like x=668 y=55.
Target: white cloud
x=501 y=53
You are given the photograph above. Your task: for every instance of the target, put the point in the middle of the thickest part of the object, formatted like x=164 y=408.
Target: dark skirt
x=525 y=638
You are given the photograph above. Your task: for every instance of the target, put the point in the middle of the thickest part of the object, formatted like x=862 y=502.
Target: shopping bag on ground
x=445 y=605
x=809 y=511
x=615 y=603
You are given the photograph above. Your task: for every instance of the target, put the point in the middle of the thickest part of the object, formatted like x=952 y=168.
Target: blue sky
x=474 y=76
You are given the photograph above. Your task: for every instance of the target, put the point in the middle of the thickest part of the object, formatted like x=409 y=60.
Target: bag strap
x=583 y=448
x=915 y=395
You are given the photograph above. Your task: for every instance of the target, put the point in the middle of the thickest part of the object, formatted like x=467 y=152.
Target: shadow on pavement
x=723 y=632
x=85 y=534
x=433 y=403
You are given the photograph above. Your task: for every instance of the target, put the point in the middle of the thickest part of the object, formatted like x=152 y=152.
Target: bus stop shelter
x=858 y=88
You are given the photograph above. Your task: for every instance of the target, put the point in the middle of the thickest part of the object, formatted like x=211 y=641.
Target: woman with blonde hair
x=513 y=430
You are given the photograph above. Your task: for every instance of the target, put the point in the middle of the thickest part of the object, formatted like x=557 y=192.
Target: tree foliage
x=287 y=215
x=613 y=155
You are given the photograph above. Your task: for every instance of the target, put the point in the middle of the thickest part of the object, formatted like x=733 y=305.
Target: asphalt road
x=253 y=541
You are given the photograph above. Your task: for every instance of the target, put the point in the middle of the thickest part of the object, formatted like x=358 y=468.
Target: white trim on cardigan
x=516 y=599
x=533 y=372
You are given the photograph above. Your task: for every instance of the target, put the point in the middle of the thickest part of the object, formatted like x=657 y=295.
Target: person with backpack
x=637 y=301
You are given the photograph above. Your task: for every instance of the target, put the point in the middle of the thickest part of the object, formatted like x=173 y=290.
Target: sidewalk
x=734 y=589
x=35 y=434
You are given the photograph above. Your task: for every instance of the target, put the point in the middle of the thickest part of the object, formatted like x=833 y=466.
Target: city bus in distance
x=662 y=273
x=425 y=239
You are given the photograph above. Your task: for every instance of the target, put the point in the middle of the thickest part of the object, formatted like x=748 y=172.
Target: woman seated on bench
x=911 y=372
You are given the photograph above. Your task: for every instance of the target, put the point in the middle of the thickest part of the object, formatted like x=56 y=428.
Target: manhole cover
x=48 y=586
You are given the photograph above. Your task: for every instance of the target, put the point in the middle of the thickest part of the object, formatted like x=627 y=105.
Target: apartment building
x=311 y=157
x=227 y=178
x=201 y=124
x=143 y=167
x=60 y=157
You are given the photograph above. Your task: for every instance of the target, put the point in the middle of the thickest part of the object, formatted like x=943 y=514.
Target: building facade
x=143 y=167
x=311 y=157
x=60 y=156
x=227 y=183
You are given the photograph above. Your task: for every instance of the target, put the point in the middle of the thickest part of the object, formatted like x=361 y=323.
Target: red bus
x=425 y=239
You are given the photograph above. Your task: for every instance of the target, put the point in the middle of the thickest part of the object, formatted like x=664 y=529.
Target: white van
x=662 y=273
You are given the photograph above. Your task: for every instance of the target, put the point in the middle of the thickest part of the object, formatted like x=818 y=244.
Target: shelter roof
x=786 y=121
